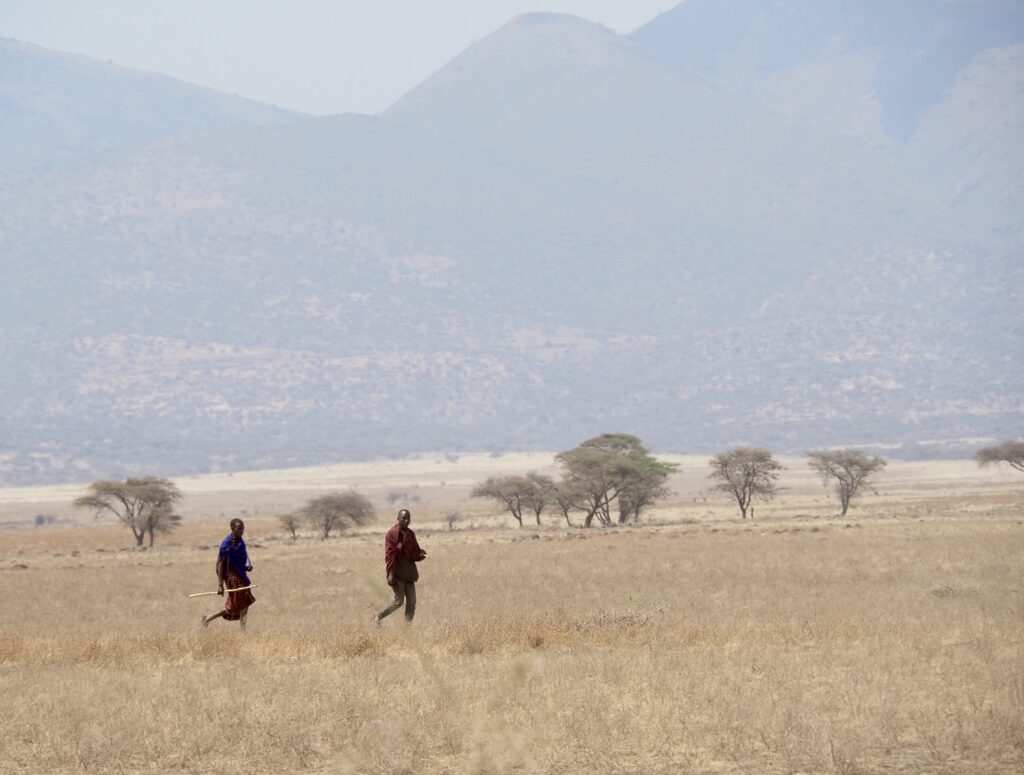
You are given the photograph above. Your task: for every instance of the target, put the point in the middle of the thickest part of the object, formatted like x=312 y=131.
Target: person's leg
x=396 y=603
x=410 y=602
x=207 y=618
x=241 y=618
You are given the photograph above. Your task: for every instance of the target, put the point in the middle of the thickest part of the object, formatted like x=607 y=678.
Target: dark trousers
x=405 y=592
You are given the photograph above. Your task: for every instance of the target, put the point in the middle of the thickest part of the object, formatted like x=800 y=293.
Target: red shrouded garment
x=399 y=542
x=236 y=602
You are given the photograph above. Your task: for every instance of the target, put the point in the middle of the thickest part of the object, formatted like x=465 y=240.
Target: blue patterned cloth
x=238 y=557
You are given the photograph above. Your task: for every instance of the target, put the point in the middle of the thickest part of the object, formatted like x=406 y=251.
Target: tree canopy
x=1010 y=452
x=290 y=522
x=510 y=493
x=610 y=467
x=336 y=511
x=851 y=470
x=145 y=505
x=567 y=500
x=540 y=493
x=746 y=473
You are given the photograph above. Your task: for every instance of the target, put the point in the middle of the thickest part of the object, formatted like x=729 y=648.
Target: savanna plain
x=889 y=640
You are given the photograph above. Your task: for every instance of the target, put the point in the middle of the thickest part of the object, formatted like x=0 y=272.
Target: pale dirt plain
x=891 y=640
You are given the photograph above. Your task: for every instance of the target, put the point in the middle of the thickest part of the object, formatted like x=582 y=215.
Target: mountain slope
x=969 y=145
x=56 y=108
x=585 y=102
x=937 y=85
x=554 y=237
x=918 y=47
x=348 y=288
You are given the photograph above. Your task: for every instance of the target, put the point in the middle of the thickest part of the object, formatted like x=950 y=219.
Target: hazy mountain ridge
x=903 y=78
x=58 y=108
x=918 y=46
x=620 y=247
x=970 y=143
x=721 y=160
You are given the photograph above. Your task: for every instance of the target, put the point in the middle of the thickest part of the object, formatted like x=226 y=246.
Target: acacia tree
x=601 y=469
x=336 y=511
x=566 y=500
x=509 y=492
x=1011 y=452
x=145 y=504
x=539 y=493
x=290 y=522
x=645 y=485
x=850 y=468
x=597 y=469
x=746 y=473
x=162 y=519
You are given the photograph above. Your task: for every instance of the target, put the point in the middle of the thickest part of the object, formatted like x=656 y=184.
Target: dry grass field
x=891 y=640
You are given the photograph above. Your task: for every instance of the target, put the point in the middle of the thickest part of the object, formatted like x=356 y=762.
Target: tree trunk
x=151 y=538
x=139 y=537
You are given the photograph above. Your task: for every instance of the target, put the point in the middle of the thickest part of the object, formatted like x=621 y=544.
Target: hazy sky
x=320 y=56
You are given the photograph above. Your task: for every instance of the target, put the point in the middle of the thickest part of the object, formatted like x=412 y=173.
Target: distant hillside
x=567 y=95
x=915 y=49
x=969 y=145
x=937 y=84
x=557 y=235
x=59 y=108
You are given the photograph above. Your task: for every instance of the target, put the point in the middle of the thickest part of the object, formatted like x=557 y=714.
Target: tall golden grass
x=890 y=641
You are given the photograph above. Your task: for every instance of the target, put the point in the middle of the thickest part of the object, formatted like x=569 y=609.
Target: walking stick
x=236 y=589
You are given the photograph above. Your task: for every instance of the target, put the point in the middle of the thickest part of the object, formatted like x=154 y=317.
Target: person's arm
x=418 y=553
x=391 y=549
x=222 y=562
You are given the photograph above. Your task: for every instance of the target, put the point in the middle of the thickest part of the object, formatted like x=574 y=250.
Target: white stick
x=236 y=589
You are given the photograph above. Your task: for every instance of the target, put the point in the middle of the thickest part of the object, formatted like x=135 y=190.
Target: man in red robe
x=401 y=553
x=233 y=567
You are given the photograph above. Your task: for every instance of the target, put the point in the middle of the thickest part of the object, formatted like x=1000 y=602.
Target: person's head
x=237 y=527
x=404 y=517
